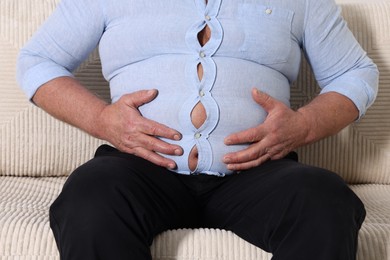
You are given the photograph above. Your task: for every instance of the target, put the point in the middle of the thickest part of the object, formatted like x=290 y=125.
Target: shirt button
x=207 y=17
x=268 y=11
x=197 y=135
x=201 y=93
x=202 y=54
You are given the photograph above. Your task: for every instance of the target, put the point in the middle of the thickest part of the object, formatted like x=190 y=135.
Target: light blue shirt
x=153 y=44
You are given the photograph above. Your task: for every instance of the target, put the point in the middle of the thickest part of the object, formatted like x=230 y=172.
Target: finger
x=278 y=153
x=253 y=152
x=148 y=153
x=154 y=158
x=154 y=144
x=139 y=98
x=147 y=126
x=250 y=135
x=264 y=100
x=153 y=128
x=249 y=164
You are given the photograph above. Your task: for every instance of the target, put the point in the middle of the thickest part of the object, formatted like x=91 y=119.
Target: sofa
x=38 y=152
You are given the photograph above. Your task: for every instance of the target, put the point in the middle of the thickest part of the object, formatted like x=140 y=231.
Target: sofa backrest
x=34 y=144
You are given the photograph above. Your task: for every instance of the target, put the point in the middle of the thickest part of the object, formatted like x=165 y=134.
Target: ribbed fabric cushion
x=374 y=238
x=204 y=244
x=24 y=221
x=25 y=232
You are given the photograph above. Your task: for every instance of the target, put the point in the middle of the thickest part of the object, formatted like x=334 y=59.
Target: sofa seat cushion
x=25 y=232
x=24 y=218
x=374 y=236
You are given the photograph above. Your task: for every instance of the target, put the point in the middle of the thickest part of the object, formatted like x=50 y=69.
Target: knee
x=95 y=211
x=325 y=195
x=92 y=181
x=89 y=191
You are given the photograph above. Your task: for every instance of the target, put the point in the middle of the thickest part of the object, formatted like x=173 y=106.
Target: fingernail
x=228 y=141
x=227 y=159
x=177 y=137
x=151 y=92
x=171 y=166
x=178 y=152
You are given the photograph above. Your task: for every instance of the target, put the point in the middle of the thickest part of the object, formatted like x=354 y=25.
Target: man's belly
x=204 y=120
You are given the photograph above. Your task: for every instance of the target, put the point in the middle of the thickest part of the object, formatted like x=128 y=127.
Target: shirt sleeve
x=59 y=46
x=338 y=61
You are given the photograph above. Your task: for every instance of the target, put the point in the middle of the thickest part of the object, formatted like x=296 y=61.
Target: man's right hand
x=119 y=123
x=123 y=126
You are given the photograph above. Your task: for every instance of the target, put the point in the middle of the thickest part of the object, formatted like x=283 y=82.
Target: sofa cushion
x=374 y=236
x=24 y=217
x=25 y=233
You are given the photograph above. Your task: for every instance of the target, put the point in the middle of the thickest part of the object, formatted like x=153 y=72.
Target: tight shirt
x=154 y=44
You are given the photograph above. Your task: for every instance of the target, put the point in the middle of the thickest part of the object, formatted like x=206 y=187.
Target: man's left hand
x=282 y=131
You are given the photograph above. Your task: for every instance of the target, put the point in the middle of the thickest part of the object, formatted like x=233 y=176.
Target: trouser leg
x=295 y=211
x=114 y=205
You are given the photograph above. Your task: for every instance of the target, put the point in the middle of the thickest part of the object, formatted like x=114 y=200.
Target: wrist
x=310 y=126
x=98 y=125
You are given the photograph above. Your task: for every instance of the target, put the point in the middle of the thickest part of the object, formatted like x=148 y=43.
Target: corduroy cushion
x=25 y=233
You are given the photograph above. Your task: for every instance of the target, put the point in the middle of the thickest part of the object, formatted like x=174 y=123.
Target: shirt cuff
x=41 y=74
x=357 y=90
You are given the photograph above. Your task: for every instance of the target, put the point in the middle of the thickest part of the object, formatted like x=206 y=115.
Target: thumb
x=139 y=98
x=263 y=99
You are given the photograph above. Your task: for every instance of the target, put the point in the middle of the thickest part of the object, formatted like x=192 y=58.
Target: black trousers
x=114 y=205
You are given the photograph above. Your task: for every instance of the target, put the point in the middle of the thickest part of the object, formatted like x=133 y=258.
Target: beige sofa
x=37 y=152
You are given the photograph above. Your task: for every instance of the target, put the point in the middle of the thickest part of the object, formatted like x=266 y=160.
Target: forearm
x=67 y=100
x=327 y=114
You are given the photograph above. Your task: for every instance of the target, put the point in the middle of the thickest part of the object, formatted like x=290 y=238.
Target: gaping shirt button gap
x=198 y=113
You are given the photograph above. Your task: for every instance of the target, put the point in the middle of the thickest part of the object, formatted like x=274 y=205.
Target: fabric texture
x=25 y=233
x=38 y=152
